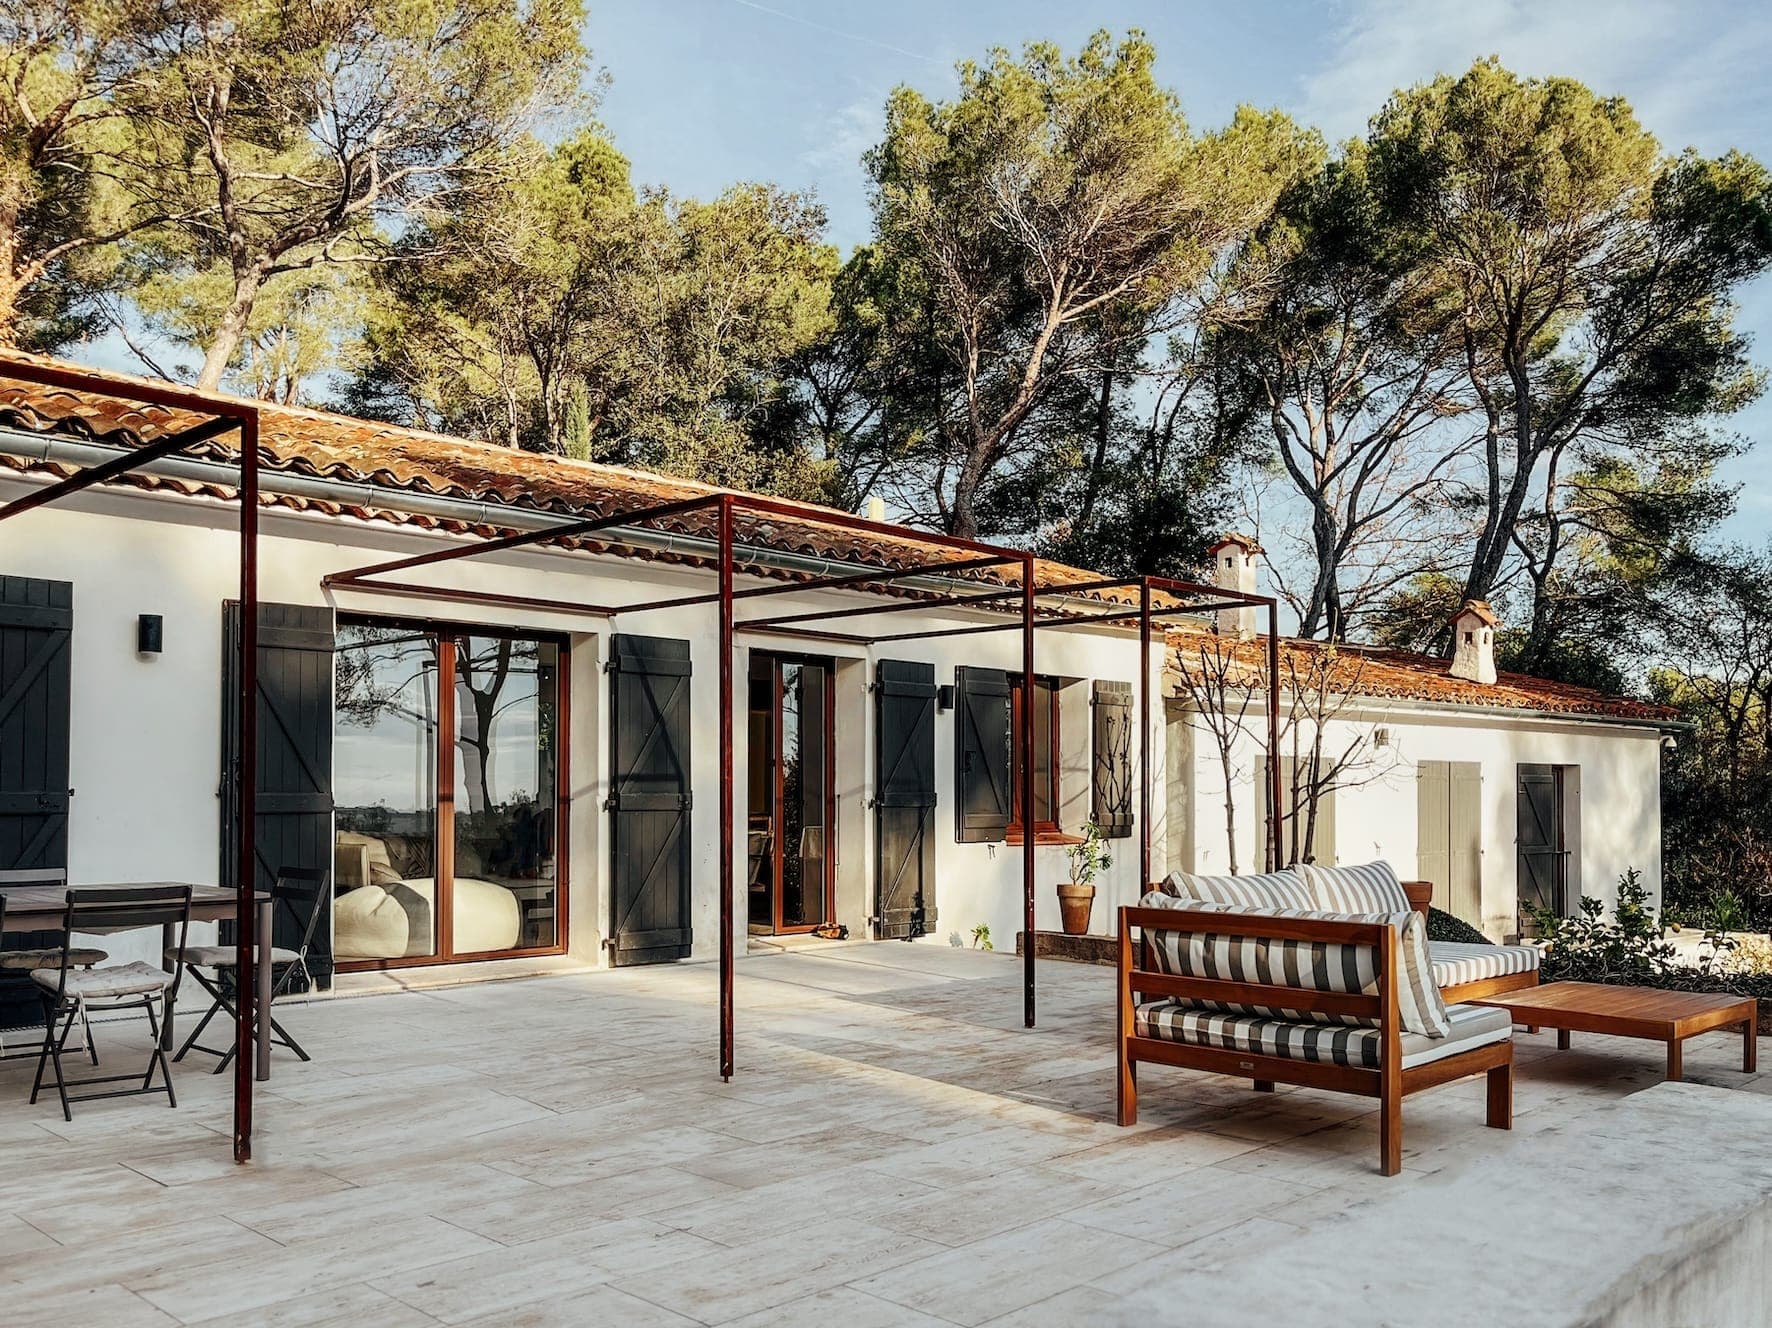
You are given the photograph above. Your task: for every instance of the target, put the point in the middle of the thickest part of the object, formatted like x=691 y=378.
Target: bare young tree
x=1214 y=675
x=1320 y=687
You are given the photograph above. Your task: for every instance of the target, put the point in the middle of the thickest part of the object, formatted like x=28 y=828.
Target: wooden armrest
x=1421 y=895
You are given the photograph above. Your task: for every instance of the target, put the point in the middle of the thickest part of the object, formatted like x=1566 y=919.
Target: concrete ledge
x=1650 y=1212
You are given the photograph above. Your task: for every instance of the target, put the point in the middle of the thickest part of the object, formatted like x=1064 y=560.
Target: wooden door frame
x=777 y=841
x=443 y=824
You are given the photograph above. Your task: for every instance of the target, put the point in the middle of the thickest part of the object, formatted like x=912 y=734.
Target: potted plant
x=1076 y=897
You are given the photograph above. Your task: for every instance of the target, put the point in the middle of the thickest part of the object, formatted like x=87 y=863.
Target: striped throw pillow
x=1281 y=889
x=1372 y=888
x=1198 y=951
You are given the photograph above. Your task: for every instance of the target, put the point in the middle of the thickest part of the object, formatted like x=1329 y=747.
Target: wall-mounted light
x=944 y=696
x=150 y=631
x=1381 y=737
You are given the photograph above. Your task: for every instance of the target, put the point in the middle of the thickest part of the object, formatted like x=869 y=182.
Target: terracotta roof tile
x=1405 y=676
x=328 y=446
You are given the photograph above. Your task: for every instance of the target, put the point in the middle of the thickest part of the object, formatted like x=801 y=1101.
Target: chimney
x=1473 y=642
x=1233 y=568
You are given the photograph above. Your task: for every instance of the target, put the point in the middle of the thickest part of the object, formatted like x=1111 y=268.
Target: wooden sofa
x=1421 y=895
x=1148 y=1001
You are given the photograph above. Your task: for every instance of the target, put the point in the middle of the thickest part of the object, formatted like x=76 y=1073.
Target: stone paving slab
x=894 y=1149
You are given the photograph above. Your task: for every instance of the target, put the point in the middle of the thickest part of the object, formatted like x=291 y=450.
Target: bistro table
x=45 y=908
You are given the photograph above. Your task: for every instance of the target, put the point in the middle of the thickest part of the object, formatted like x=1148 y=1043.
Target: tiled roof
x=1402 y=675
x=327 y=446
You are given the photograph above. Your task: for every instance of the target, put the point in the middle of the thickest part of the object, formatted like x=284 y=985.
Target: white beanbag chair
x=369 y=923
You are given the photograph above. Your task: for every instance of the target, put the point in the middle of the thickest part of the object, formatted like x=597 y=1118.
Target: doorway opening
x=791 y=873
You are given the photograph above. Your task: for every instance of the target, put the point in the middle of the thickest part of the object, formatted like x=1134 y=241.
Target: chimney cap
x=1478 y=608
x=1233 y=540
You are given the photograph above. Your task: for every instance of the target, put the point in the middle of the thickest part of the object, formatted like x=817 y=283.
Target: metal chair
x=297 y=892
x=68 y=992
x=25 y=961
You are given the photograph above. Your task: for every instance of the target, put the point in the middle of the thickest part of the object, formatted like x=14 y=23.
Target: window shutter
x=904 y=800
x=1465 y=842
x=1110 y=803
x=649 y=799
x=36 y=634
x=294 y=778
x=981 y=755
x=1433 y=820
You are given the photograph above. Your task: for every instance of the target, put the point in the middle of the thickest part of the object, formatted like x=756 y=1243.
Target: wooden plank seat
x=1290 y=1026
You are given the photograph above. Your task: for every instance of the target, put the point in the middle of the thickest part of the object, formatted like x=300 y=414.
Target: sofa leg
x=1264 y=1085
x=1390 y=1133
x=1128 y=1097
x=1501 y=1097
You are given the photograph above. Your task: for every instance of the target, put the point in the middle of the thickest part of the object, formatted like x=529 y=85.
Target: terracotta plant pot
x=1074 y=905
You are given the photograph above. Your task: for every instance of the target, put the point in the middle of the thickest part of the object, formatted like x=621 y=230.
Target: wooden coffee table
x=1640 y=1012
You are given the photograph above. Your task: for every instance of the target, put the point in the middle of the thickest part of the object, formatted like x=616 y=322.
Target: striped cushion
x=1281 y=889
x=1198 y=952
x=1373 y=888
x=1460 y=961
x=1470 y=1027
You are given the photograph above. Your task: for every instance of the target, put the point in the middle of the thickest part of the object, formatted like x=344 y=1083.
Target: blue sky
x=703 y=93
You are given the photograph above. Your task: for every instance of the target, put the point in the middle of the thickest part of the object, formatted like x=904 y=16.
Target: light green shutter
x=1465 y=841
x=1433 y=821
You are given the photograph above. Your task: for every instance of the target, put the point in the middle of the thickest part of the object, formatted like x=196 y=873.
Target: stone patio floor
x=894 y=1149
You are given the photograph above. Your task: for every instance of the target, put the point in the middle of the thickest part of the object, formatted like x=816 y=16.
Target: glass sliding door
x=506 y=792
x=790 y=872
x=385 y=750
x=449 y=783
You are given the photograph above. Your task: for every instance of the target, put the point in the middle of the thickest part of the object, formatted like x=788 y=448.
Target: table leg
x=264 y=991
x=1750 y=1044
x=1562 y=1039
x=168 y=939
x=1676 y=1070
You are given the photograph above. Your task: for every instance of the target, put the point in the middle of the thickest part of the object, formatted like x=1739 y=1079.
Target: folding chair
x=25 y=961
x=68 y=991
x=297 y=892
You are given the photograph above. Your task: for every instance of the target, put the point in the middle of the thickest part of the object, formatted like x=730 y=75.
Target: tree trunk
x=230 y=330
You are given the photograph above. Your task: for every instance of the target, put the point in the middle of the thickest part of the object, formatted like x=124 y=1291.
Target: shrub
x=1627 y=948
x=1442 y=926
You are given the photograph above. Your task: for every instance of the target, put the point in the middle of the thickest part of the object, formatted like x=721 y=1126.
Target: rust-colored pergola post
x=727 y=720
x=1275 y=819
x=1144 y=734
x=246 y=993
x=1025 y=738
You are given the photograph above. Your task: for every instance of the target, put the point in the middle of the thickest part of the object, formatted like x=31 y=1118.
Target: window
x=1045 y=702
x=448 y=791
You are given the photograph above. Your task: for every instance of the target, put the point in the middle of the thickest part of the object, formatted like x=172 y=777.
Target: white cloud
x=1693 y=72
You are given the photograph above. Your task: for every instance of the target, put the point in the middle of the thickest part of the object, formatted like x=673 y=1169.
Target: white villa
x=530 y=768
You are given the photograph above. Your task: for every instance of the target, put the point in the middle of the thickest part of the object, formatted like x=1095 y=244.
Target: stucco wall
x=1619 y=796
x=146 y=731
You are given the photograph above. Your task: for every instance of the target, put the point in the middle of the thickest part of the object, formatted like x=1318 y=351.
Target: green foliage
x=1442 y=926
x=1089 y=856
x=981 y=937
x=1593 y=948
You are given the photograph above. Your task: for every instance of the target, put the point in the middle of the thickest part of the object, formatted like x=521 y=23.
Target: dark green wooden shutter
x=1539 y=838
x=294 y=789
x=649 y=799
x=984 y=801
x=1113 y=731
x=36 y=633
x=904 y=799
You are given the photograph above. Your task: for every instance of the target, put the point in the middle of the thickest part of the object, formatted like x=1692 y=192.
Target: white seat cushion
x=222 y=956
x=1457 y=962
x=117 y=980
x=30 y=960
x=1176 y=1021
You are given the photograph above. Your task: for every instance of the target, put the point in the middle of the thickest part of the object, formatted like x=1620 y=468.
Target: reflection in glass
x=505 y=794
x=789 y=873
x=385 y=789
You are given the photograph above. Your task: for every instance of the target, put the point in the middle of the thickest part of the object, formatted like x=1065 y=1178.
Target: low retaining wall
x=1652 y=1211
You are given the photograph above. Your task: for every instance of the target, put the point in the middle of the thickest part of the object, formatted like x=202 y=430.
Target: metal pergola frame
x=1018 y=601
x=226 y=415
